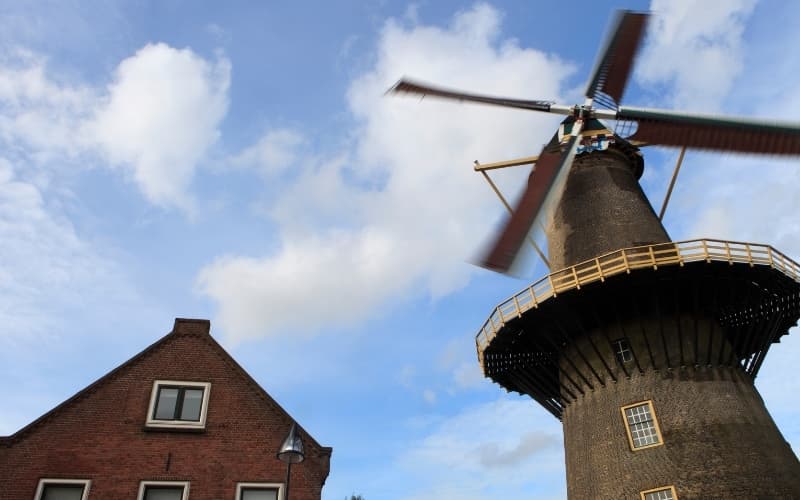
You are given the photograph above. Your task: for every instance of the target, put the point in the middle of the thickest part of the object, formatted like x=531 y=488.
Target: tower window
x=641 y=425
x=663 y=493
x=622 y=349
x=178 y=404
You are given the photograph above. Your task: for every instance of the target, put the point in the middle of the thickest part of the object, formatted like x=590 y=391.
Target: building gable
x=101 y=432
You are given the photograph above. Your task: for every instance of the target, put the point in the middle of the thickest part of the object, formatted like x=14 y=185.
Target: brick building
x=180 y=420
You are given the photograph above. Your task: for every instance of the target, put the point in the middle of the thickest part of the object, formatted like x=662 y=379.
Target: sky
x=240 y=162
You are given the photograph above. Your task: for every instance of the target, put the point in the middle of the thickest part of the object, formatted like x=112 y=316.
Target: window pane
x=638 y=414
x=165 y=406
x=163 y=493
x=62 y=492
x=192 y=399
x=259 y=494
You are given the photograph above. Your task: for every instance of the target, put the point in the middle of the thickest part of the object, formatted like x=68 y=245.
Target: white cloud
x=45 y=266
x=694 y=51
x=429 y=396
x=507 y=448
x=51 y=127
x=273 y=153
x=401 y=209
x=458 y=358
x=156 y=120
x=468 y=375
x=161 y=116
x=40 y=114
x=313 y=283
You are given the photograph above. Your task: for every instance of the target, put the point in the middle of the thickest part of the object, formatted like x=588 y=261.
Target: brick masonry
x=602 y=209
x=100 y=433
x=697 y=334
x=719 y=440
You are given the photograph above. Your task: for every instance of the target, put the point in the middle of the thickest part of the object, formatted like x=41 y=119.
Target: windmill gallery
x=646 y=349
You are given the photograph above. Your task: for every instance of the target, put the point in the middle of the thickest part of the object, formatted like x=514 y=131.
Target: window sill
x=173 y=428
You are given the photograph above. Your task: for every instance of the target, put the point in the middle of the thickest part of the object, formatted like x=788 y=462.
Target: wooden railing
x=625 y=261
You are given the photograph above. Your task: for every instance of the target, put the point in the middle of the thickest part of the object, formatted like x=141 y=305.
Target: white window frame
x=178 y=424
x=87 y=483
x=278 y=486
x=670 y=488
x=144 y=484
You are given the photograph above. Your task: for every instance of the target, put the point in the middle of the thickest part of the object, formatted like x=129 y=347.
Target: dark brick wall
x=691 y=330
x=100 y=435
x=719 y=440
x=601 y=210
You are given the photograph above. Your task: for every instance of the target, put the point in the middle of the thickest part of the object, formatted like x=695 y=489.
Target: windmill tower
x=646 y=349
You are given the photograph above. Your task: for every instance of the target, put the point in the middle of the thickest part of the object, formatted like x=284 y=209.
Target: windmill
x=645 y=348
x=582 y=132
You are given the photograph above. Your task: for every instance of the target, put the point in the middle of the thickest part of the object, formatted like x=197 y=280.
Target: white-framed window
x=178 y=404
x=662 y=493
x=63 y=489
x=641 y=425
x=163 y=490
x=259 y=491
x=622 y=350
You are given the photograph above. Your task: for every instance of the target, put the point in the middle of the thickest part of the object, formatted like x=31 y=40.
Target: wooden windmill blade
x=406 y=86
x=606 y=87
x=547 y=181
x=668 y=128
x=542 y=193
x=614 y=65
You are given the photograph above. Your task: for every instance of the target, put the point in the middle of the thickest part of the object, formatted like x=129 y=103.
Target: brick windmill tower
x=646 y=349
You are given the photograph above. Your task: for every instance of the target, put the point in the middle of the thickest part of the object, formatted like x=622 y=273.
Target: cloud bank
x=399 y=210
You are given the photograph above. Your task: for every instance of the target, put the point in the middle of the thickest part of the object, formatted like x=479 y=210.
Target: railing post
x=728 y=253
x=552 y=285
x=516 y=303
x=705 y=251
x=494 y=328
x=599 y=269
x=625 y=262
x=533 y=297
x=652 y=256
x=769 y=257
x=749 y=254
x=575 y=277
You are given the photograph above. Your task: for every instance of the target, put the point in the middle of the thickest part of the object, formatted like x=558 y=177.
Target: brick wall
x=100 y=434
x=719 y=440
x=602 y=209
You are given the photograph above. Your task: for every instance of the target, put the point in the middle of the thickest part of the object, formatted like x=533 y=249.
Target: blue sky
x=239 y=162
